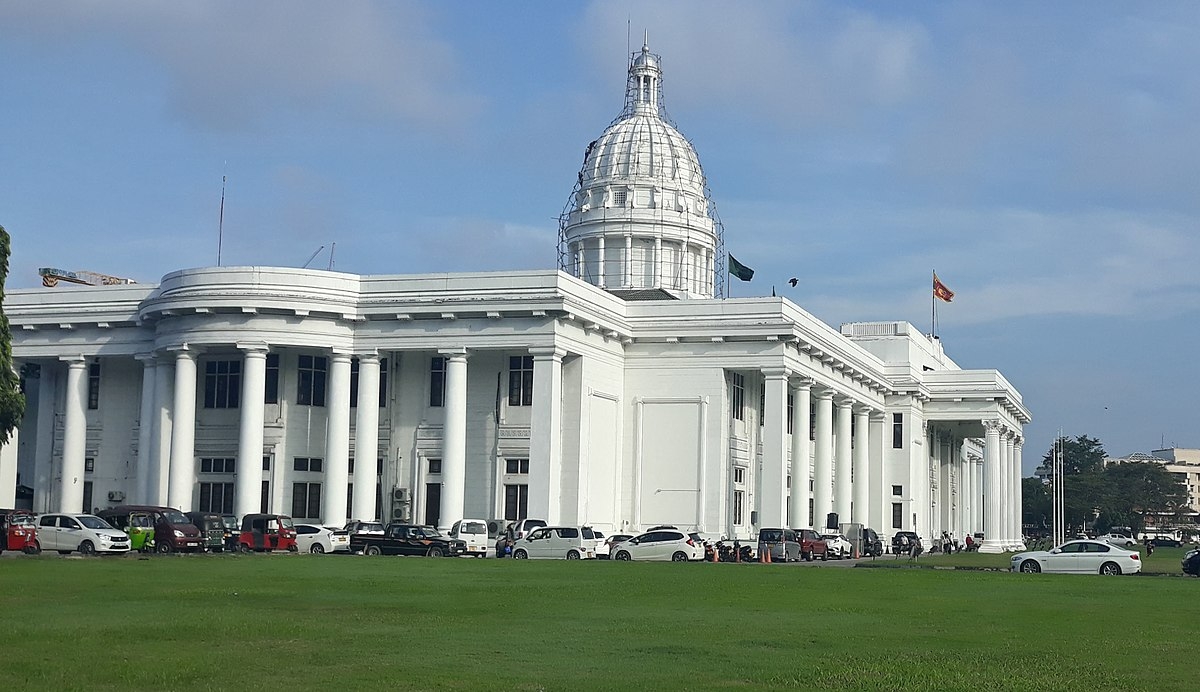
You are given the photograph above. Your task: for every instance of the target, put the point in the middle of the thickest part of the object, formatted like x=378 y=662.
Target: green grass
x=325 y=622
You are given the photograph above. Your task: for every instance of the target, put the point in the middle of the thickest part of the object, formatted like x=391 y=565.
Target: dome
x=643 y=149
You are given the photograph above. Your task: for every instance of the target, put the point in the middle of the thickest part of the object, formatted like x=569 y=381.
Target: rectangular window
x=93 y=392
x=89 y=464
x=898 y=490
x=516 y=501
x=739 y=498
x=620 y=197
x=222 y=383
x=791 y=409
x=739 y=475
x=853 y=429
x=437 y=381
x=383 y=375
x=435 y=466
x=812 y=422
x=306 y=500
x=87 y=496
x=310 y=381
x=271 y=393
x=812 y=510
x=762 y=404
x=265 y=504
x=520 y=381
x=897 y=431
x=897 y=515
x=311 y=464
x=216 y=497
x=266 y=463
x=516 y=466
x=221 y=465
x=737 y=397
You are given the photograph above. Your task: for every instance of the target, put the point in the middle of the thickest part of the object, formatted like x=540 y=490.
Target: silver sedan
x=1079 y=557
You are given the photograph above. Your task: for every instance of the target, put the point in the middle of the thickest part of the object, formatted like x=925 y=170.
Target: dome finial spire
x=646 y=41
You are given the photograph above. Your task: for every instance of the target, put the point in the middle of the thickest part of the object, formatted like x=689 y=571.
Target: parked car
x=1191 y=562
x=782 y=544
x=85 y=533
x=1118 y=539
x=407 y=539
x=233 y=529
x=839 y=546
x=611 y=542
x=1166 y=542
x=212 y=530
x=871 y=545
x=672 y=545
x=173 y=532
x=1079 y=557
x=311 y=538
x=473 y=532
x=812 y=545
x=556 y=542
x=514 y=531
x=267 y=532
x=903 y=542
x=18 y=531
x=372 y=527
x=601 y=544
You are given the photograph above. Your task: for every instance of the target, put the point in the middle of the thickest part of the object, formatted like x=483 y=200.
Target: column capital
x=843 y=402
x=340 y=356
x=367 y=356
x=862 y=409
x=802 y=383
x=147 y=359
x=877 y=415
x=775 y=373
x=547 y=353
x=993 y=425
x=74 y=361
x=457 y=353
x=823 y=394
x=248 y=347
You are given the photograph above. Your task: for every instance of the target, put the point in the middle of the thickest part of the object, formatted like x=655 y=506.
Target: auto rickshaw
x=233 y=529
x=267 y=532
x=18 y=531
x=137 y=523
x=212 y=530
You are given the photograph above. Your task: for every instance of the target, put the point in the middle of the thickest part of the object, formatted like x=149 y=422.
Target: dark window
x=520 y=381
x=737 y=397
x=266 y=464
x=216 y=497
x=93 y=392
x=353 y=382
x=312 y=464
x=516 y=466
x=435 y=465
x=221 y=465
x=437 y=381
x=812 y=421
x=812 y=511
x=853 y=428
x=349 y=499
x=791 y=409
x=762 y=404
x=310 y=384
x=47 y=520
x=271 y=392
x=898 y=490
x=897 y=431
x=739 y=498
x=897 y=515
x=516 y=501
x=87 y=496
x=383 y=378
x=266 y=497
x=89 y=464
x=567 y=532
x=306 y=501
x=222 y=383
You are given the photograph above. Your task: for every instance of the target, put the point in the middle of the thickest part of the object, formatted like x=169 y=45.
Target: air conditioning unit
x=497 y=527
x=400 y=494
x=116 y=495
x=400 y=514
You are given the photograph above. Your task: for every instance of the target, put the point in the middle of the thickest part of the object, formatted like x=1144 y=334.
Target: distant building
x=618 y=390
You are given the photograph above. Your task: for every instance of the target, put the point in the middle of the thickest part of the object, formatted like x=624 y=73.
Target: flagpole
x=933 y=310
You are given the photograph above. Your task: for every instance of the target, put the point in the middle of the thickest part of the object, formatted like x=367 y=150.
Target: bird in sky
x=793 y=281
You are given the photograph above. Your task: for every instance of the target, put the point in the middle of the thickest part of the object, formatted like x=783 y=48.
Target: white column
x=945 y=493
x=545 y=441
x=1018 y=492
x=628 y=280
x=145 y=473
x=1012 y=514
x=366 y=438
x=160 y=444
x=843 y=492
x=337 y=441
x=454 y=436
x=248 y=482
x=823 y=462
x=860 y=509
x=772 y=503
x=993 y=498
x=70 y=496
x=686 y=267
x=879 y=515
x=658 y=262
x=599 y=283
x=801 y=455
x=1006 y=487
x=183 y=433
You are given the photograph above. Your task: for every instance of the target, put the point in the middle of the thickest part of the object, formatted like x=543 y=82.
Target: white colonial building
x=618 y=391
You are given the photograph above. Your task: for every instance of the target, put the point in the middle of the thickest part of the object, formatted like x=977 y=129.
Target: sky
x=1041 y=157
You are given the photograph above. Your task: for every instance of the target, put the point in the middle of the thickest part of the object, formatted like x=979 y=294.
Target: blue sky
x=1042 y=157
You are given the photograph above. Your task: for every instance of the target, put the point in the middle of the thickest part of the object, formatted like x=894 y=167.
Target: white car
x=839 y=546
x=556 y=542
x=473 y=532
x=667 y=544
x=321 y=539
x=1079 y=557
x=86 y=533
x=601 y=544
x=1118 y=539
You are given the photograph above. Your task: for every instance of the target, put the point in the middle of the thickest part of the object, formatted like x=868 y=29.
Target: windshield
x=230 y=522
x=175 y=517
x=773 y=536
x=287 y=522
x=473 y=528
x=430 y=532
x=21 y=520
x=93 y=522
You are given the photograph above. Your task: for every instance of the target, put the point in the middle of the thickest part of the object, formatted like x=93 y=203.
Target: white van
x=556 y=543
x=473 y=532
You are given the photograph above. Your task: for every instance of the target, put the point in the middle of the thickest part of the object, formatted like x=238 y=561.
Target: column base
x=992 y=546
x=1017 y=547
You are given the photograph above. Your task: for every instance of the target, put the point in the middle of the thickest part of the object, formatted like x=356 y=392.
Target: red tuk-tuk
x=18 y=531
x=267 y=532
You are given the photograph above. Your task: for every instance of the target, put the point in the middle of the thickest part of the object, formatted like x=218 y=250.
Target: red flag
x=940 y=291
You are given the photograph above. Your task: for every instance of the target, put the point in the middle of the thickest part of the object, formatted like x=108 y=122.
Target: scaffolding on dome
x=566 y=262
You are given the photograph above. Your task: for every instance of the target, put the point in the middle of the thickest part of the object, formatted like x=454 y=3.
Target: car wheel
x=243 y=548
x=623 y=556
x=34 y=549
x=371 y=550
x=573 y=555
x=521 y=555
x=1110 y=568
x=825 y=556
x=436 y=551
x=1031 y=567
x=87 y=548
x=679 y=556
x=807 y=557
x=293 y=548
x=164 y=547
x=317 y=549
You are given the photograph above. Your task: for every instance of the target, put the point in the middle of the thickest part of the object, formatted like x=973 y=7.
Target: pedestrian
x=1149 y=546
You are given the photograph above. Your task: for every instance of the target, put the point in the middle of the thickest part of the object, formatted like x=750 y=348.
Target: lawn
x=322 y=622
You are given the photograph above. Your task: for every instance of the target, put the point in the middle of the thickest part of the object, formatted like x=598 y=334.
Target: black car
x=872 y=546
x=903 y=542
x=1191 y=562
x=1166 y=542
x=407 y=539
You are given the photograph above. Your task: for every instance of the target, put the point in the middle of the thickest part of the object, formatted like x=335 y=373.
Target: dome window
x=620 y=197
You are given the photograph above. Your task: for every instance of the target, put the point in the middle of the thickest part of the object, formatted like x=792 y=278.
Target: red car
x=812 y=545
x=18 y=531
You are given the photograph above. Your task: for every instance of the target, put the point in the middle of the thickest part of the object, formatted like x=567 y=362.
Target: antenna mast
x=221 y=220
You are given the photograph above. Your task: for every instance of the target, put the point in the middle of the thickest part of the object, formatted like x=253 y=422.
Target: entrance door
x=433 y=503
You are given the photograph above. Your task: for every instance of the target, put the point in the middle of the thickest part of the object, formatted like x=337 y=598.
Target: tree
x=1082 y=455
x=12 y=401
x=1037 y=503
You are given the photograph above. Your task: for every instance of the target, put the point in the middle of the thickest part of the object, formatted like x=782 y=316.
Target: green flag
x=740 y=270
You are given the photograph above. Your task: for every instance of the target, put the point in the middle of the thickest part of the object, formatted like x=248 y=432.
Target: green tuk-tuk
x=138 y=524
x=212 y=530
